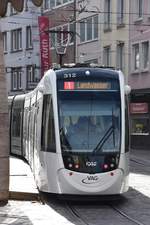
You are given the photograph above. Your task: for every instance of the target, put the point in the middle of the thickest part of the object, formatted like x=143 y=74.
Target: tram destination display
x=71 y=85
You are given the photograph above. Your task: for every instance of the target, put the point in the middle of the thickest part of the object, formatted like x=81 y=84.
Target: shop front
x=140 y=120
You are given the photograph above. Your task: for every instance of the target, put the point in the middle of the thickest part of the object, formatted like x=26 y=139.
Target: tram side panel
x=125 y=145
x=124 y=161
x=48 y=179
x=37 y=163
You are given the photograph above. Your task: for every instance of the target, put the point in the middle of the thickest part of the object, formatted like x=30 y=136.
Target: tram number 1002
x=91 y=164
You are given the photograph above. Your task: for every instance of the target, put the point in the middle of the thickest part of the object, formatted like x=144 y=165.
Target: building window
x=28 y=37
x=120 y=56
x=58 y=2
x=16 y=78
x=120 y=12
x=12 y=10
x=136 y=57
x=48 y=4
x=30 y=77
x=16 y=40
x=71 y=28
x=89 y=29
x=82 y=30
x=107 y=15
x=60 y=40
x=145 y=55
x=95 y=20
x=5 y=42
x=140 y=8
x=107 y=56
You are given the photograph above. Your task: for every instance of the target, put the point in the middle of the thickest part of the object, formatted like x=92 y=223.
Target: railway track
x=140 y=162
x=76 y=213
x=125 y=215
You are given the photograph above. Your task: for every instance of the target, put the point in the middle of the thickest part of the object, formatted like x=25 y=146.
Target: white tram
x=73 y=131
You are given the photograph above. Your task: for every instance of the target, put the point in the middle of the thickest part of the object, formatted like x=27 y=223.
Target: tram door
x=16 y=143
x=26 y=123
x=32 y=131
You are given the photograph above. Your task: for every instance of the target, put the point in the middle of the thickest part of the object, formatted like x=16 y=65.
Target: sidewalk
x=22 y=185
x=30 y=211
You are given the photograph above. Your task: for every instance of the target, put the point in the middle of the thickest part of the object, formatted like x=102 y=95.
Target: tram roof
x=96 y=71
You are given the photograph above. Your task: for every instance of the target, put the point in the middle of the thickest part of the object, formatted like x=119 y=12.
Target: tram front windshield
x=89 y=121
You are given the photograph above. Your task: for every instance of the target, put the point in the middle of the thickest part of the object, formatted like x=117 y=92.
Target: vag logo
x=91 y=164
x=90 y=179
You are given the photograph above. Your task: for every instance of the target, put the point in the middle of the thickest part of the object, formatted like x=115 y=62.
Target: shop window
x=140 y=126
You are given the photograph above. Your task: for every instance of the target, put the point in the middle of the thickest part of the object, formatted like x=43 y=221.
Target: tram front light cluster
x=108 y=166
x=73 y=165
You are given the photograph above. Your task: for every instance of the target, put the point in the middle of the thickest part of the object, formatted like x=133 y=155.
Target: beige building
x=88 y=31
x=114 y=36
x=103 y=33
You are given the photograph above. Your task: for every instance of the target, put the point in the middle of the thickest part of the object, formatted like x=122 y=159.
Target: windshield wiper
x=108 y=133
x=104 y=139
x=64 y=142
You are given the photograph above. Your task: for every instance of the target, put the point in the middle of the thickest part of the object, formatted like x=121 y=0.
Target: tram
x=73 y=130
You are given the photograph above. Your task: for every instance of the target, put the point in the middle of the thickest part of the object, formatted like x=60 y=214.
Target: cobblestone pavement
x=135 y=203
x=28 y=213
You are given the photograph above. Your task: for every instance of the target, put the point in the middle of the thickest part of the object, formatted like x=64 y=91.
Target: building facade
x=115 y=34
x=139 y=78
x=21 y=48
x=61 y=15
x=88 y=31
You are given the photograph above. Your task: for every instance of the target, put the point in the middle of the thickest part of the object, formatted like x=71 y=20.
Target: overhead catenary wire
x=68 y=8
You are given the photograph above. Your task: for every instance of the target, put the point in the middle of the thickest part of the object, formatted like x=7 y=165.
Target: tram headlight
x=105 y=166
x=112 y=165
x=77 y=166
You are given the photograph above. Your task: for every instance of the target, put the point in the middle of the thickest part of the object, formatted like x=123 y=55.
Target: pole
x=60 y=59
x=75 y=27
x=4 y=137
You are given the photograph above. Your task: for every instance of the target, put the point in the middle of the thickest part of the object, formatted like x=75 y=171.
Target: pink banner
x=44 y=43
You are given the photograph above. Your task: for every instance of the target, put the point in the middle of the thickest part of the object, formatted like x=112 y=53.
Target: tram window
x=16 y=120
x=48 y=133
x=25 y=124
x=86 y=118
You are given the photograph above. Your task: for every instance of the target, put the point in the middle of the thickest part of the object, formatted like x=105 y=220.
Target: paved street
x=132 y=208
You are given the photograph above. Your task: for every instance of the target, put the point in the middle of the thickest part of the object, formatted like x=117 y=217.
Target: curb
x=14 y=195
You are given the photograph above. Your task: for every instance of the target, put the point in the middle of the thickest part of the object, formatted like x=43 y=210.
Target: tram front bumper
x=91 y=184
